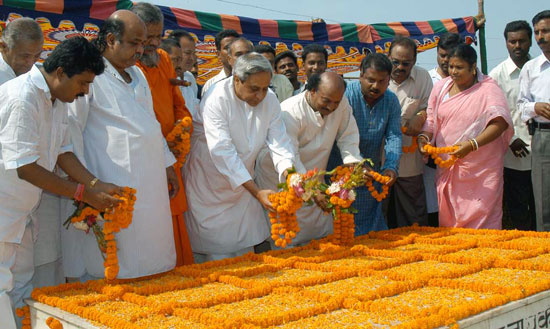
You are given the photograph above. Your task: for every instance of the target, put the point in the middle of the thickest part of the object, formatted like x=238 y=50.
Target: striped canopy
x=347 y=43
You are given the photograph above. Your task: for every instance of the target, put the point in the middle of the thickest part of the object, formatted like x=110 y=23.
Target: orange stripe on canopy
x=49 y=6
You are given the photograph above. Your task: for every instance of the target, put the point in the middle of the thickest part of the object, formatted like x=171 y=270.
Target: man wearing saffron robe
x=169 y=107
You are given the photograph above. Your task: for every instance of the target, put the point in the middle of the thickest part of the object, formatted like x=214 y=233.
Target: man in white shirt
x=518 y=190
x=240 y=115
x=279 y=83
x=534 y=104
x=412 y=86
x=223 y=38
x=446 y=43
x=33 y=140
x=314 y=120
x=186 y=43
x=286 y=63
x=314 y=60
x=115 y=131
x=21 y=46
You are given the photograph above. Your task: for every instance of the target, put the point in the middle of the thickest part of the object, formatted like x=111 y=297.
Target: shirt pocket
x=409 y=108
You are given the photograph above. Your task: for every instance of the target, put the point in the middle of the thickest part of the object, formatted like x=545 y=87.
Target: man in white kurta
x=21 y=38
x=313 y=126
x=225 y=217
x=33 y=139
x=115 y=131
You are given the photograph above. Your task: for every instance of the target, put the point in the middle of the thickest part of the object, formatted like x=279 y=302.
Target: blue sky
x=497 y=12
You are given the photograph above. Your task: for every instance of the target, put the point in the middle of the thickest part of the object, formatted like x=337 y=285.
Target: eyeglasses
x=397 y=63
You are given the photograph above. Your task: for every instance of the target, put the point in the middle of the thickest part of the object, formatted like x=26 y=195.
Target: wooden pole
x=480 y=21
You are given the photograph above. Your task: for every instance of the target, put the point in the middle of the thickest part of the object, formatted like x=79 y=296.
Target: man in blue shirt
x=378 y=115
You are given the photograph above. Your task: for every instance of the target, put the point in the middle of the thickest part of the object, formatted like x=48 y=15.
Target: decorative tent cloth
x=347 y=43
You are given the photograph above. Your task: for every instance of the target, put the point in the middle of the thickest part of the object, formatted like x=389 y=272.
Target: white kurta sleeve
x=347 y=137
x=293 y=126
x=278 y=142
x=19 y=135
x=220 y=145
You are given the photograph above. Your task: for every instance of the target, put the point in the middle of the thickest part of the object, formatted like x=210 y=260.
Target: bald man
x=115 y=132
x=314 y=120
x=21 y=46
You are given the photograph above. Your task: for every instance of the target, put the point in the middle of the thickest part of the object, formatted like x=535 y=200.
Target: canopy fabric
x=347 y=43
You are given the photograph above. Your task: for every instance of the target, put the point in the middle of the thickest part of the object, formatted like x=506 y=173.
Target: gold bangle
x=93 y=182
x=472 y=144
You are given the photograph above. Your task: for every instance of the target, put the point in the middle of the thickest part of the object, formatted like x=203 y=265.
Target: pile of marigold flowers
x=413 y=277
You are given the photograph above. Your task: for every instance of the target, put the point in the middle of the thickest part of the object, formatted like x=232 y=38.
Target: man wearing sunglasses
x=412 y=86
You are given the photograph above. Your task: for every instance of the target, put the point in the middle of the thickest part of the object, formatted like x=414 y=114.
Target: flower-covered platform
x=405 y=278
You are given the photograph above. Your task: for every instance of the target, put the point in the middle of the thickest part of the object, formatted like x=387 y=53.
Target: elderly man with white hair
x=239 y=116
x=21 y=46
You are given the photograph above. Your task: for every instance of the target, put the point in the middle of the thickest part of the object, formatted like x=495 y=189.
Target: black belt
x=541 y=125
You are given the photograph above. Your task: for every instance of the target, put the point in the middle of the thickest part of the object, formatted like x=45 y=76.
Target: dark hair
x=75 y=55
x=448 y=41
x=286 y=54
x=516 y=26
x=224 y=34
x=260 y=49
x=377 y=61
x=167 y=44
x=314 y=81
x=405 y=42
x=465 y=52
x=110 y=25
x=149 y=14
x=239 y=39
x=540 y=16
x=178 y=34
x=314 y=48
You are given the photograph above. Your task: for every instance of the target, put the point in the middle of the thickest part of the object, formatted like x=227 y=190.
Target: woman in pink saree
x=468 y=109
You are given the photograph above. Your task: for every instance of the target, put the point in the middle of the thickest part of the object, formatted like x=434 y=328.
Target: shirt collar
x=5 y=66
x=542 y=60
x=110 y=69
x=39 y=80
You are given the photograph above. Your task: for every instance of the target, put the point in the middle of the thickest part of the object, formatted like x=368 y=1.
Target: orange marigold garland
x=414 y=145
x=181 y=136
x=119 y=218
x=25 y=313
x=435 y=151
x=54 y=323
x=284 y=224
x=379 y=196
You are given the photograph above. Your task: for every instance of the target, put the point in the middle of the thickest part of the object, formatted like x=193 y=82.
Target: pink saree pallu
x=470 y=191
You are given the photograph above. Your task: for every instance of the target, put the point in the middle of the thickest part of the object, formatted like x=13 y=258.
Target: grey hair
x=149 y=14
x=239 y=39
x=249 y=64
x=22 y=29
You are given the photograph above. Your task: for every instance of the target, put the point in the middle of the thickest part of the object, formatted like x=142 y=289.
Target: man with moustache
x=279 y=83
x=446 y=43
x=114 y=130
x=223 y=38
x=518 y=189
x=286 y=63
x=21 y=46
x=412 y=86
x=314 y=120
x=169 y=107
x=189 y=88
x=534 y=103
x=378 y=114
x=33 y=140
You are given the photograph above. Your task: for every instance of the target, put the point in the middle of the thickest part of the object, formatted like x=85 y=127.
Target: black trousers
x=519 y=199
